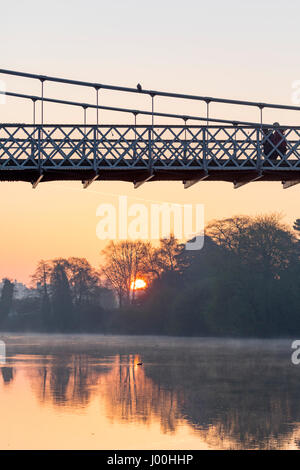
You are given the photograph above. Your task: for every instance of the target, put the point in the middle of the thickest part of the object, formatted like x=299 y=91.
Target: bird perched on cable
x=139 y=87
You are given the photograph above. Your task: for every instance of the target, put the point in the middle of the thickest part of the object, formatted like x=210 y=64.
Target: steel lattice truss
x=140 y=153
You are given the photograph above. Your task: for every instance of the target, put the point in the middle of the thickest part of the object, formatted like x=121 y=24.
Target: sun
x=138 y=284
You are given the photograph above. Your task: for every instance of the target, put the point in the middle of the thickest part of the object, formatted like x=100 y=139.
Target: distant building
x=20 y=290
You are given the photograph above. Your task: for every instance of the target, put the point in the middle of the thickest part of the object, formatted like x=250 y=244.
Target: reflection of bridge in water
x=227 y=151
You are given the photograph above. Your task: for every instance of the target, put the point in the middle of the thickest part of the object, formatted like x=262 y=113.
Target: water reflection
x=122 y=384
x=232 y=396
x=7 y=374
x=66 y=381
x=130 y=395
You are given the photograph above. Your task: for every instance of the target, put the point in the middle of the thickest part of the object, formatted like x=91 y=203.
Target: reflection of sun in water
x=138 y=284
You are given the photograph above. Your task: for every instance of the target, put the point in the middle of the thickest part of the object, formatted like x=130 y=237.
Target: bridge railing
x=69 y=147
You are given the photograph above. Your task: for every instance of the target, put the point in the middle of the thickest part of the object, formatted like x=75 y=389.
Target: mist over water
x=88 y=391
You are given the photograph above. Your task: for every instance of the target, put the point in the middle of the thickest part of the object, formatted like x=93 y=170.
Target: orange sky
x=59 y=219
x=242 y=50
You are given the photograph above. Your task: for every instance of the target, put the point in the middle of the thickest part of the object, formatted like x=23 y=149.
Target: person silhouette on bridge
x=274 y=144
x=267 y=142
x=279 y=140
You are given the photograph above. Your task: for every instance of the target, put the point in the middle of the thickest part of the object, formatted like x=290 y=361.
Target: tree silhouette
x=6 y=299
x=61 y=295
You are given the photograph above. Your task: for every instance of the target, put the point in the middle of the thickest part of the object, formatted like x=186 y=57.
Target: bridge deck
x=136 y=173
x=132 y=153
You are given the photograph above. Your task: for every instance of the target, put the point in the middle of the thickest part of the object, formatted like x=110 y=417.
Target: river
x=89 y=392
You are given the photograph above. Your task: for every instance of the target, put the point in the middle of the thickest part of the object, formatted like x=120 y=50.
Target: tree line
x=244 y=282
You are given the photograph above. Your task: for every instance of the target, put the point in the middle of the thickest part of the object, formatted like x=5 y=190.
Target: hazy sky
x=233 y=49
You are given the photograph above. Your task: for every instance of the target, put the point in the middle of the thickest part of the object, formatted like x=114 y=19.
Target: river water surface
x=88 y=392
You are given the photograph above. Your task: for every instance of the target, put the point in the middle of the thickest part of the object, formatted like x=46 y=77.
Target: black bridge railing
x=69 y=147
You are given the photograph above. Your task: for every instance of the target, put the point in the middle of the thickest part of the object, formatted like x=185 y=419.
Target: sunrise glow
x=138 y=284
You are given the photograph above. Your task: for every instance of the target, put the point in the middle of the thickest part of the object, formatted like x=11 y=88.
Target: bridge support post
x=289 y=184
x=150 y=136
x=95 y=148
x=189 y=183
x=39 y=148
x=35 y=184
x=139 y=183
x=239 y=184
x=205 y=149
x=258 y=149
x=87 y=183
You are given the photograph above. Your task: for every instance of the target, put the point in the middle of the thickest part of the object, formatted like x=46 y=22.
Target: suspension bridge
x=199 y=148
